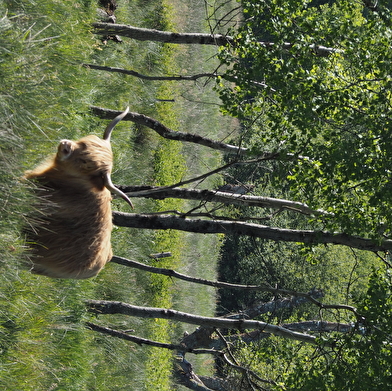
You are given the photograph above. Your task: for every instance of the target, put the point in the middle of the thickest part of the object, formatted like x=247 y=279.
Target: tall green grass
x=40 y=325
x=45 y=94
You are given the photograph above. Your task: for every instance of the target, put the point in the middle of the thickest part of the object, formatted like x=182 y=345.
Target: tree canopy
x=327 y=112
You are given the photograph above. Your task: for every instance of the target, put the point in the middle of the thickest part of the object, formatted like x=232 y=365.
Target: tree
x=154 y=222
x=332 y=105
x=334 y=110
x=365 y=336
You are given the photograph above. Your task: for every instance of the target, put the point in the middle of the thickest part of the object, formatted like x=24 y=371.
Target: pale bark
x=154 y=221
x=276 y=305
x=204 y=340
x=204 y=337
x=116 y=307
x=221 y=197
x=316 y=326
x=142 y=34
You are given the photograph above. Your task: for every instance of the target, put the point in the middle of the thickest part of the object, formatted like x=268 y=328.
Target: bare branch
x=132 y=338
x=261 y=308
x=145 y=77
x=170 y=134
x=196 y=383
x=216 y=284
x=232 y=17
x=168 y=78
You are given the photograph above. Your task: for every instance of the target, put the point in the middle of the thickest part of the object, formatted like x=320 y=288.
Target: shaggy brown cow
x=69 y=235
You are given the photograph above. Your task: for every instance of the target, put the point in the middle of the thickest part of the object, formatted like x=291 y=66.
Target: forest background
x=46 y=95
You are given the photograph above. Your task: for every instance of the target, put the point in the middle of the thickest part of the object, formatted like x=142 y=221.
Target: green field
x=45 y=96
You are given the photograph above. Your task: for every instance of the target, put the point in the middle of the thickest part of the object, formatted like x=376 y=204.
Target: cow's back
x=69 y=236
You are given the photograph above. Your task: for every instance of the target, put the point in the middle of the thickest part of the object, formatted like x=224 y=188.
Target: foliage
x=41 y=333
x=361 y=360
x=358 y=360
x=326 y=117
x=327 y=113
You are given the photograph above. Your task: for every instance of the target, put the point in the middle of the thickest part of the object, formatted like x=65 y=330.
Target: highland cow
x=69 y=234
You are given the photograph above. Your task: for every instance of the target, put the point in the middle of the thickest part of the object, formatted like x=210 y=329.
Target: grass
x=169 y=168
x=45 y=95
x=43 y=339
x=37 y=342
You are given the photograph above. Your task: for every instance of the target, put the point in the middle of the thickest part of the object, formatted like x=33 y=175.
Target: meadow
x=46 y=93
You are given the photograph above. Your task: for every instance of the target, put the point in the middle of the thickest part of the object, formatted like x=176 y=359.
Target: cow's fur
x=69 y=236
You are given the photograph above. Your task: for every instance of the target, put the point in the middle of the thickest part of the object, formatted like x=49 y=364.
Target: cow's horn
x=109 y=185
x=108 y=130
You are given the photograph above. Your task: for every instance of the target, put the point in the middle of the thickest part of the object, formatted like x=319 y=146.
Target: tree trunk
x=165 y=132
x=116 y=307
x=219 y=196
x=142 y=34
x=152 y=221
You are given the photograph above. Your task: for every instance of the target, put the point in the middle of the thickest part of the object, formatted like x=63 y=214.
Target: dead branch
x=145 y=77
x=217 y=284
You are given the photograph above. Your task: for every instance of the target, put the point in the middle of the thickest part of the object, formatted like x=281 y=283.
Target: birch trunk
x=153 y=221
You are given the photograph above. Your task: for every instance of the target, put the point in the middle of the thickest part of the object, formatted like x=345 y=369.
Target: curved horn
x=108 y=130
x=109 y=185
